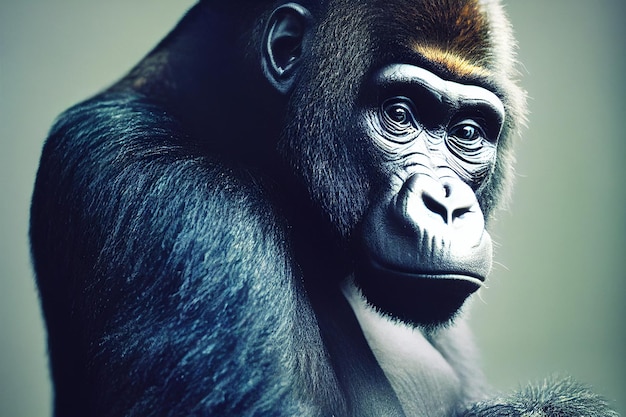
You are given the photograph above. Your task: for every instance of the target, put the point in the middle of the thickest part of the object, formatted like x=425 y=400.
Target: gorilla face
x=423 y=241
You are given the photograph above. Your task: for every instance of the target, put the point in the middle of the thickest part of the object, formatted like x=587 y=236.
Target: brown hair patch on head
x=451 y=61
x=451 y=32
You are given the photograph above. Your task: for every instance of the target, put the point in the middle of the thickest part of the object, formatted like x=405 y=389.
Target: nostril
x=433 y=205
x=460 y=212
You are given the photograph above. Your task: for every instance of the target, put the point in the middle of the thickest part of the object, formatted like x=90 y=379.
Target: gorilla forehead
x=454 y=35
x=444 y=31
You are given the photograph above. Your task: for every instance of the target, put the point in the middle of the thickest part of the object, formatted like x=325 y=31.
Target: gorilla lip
x=388 y=270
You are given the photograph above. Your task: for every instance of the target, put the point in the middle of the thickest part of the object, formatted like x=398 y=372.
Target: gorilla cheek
x=424 y=250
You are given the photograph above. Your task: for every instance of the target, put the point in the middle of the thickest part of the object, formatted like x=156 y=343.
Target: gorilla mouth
x=387 y=270
x=413 y=296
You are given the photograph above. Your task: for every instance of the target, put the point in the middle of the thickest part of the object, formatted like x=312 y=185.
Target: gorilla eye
x=397 y=114
x=473 y=153
x=397 y=119
x=467 y=131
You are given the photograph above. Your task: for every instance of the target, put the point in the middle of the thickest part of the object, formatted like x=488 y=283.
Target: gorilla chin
x=428 y=291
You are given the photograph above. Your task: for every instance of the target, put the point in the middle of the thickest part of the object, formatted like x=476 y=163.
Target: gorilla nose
x=428 y=202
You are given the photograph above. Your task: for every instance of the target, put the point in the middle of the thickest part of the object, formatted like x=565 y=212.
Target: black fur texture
x=554 y=397
x=190 y=226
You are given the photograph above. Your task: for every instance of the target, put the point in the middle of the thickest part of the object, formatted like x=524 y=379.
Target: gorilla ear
x=285 y=35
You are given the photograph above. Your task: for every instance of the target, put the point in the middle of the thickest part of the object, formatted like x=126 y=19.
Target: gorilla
x=281 y=211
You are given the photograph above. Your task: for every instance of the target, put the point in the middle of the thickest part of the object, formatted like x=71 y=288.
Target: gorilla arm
x=142 y=310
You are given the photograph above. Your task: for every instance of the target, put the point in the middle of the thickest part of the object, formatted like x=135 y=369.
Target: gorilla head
x=399 y=123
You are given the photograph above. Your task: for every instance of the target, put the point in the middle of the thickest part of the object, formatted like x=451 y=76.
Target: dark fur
x=554 y=397
x=188 y=244
x=130 y=307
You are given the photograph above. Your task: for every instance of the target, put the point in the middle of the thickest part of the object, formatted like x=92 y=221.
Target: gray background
x=556 y=298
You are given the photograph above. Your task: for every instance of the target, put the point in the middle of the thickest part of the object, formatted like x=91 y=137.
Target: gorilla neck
x=423 y=380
